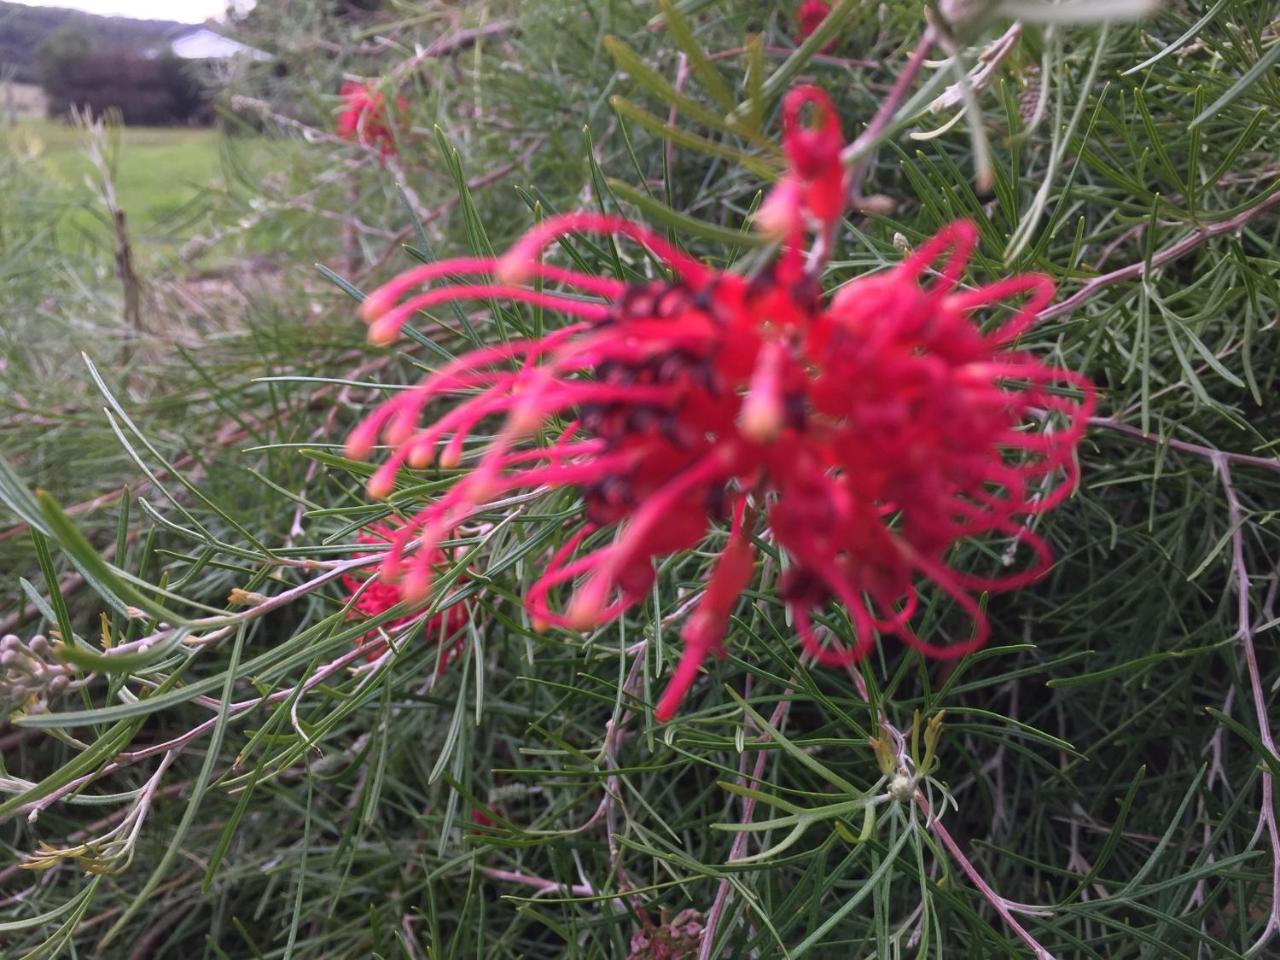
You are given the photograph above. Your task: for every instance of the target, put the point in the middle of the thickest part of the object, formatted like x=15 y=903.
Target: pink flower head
x=374 y=597
x=809 y=16
x=364 y=117
x=866 y=434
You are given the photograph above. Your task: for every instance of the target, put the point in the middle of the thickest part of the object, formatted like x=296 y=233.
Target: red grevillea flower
x=866 y=434
x=809 y=16
x=374 y=597
x=364 y=117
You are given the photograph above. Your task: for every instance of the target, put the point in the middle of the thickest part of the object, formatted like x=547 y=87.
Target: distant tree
x=188 y=93
x=58 y=58
x=23 y=28
x=146 y=90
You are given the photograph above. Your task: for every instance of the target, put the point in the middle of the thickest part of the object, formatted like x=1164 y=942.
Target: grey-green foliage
x=1100 y=762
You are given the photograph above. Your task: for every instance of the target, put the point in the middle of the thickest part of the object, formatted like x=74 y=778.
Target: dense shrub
x=264 y=751
x=150 y=91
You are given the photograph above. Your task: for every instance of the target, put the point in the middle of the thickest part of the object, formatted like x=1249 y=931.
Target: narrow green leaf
x=1237 y=89
x=703 y=67
x=102 y=576
x=658 y=212
x=691 y=140
x=211 y=757
x=1178 y=44
x=630 y=61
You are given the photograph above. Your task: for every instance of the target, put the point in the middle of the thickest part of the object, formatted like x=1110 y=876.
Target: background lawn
x=171 y=182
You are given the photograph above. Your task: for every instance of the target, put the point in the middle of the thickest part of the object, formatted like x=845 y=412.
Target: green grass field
x=159 y=172
x=169 y=181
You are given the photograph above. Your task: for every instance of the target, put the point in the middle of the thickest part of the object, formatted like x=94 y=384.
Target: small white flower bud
x=901 y=787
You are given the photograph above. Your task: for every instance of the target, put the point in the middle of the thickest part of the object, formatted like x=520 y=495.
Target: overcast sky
x=188 y=11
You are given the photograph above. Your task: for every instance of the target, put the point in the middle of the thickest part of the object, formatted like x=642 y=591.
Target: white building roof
x=203 y=44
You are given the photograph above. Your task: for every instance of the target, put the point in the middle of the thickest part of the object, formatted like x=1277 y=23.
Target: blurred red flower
x=809 y=16
x=371 y=597
x=364 y=117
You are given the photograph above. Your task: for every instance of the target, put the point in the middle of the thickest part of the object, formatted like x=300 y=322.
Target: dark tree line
x=159 y=90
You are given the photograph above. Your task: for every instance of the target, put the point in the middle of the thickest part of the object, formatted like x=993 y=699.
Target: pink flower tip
x=399 y=432
x=584 y=612
x=514 y=267
x=383 y=331
x=376 y=304
x=525 y=420
x=358 y=447
x=381 y=484
x=421 y=455
x=695 y=654
x=779 y=216
x=450 y=457
x=416 y=587
x=762 y=418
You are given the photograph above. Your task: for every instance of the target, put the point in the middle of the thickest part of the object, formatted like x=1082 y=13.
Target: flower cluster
x=371 y=597
x=364 y=117
x=30 y=674
x=867 y=434
x=671 y=938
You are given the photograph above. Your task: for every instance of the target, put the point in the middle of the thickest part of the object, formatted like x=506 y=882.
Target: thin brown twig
x=538 y=883
x=1199 y=450
x=723 y=891
x=1244 y=633
x=1135 y=271
x=1002 y=906
x=861 y=152
x=450 y=42
x=234 y=709
x=784 y=52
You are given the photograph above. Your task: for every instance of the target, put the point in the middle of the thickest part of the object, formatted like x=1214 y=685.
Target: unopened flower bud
x=901 y=787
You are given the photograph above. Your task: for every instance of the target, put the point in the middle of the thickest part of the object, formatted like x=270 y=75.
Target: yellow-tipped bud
x=583 y=613
x=384 y=330
x=416 y=587
x=523 y=421
x=399 y=431
x=421 y=455
x=358 y=447
x=380 y=485
x=375 y=305
x=450 y=456
x=761 y=419
x=780 y=213
x=513 y=267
